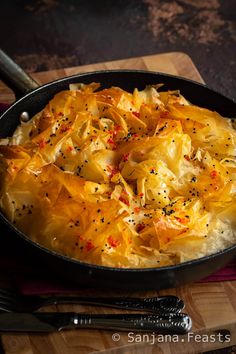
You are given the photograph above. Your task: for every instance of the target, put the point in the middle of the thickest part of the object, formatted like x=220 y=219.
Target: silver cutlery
x=13 y=302
x=55 y=321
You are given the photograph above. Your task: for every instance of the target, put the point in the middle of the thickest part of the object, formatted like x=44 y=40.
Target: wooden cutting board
x=212 y=306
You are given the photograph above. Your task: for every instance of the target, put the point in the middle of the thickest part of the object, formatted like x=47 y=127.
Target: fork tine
x=4 y=308
x=10 y=301
x=10 y=305
x=9 y=297
x=6 y=291
x=7 y=294
x=7 y=304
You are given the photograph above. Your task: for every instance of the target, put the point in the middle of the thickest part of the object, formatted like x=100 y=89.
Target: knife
x=57 y=321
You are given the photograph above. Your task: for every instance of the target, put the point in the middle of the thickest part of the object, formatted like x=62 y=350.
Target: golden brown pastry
x=119 y=179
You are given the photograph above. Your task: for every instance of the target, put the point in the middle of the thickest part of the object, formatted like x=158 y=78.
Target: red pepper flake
x=182 y=220
x=112 y=242
x=187 y=157
x=137 y=210
x=117 y=129
x=140 y=227
x=123 y=200
x=141 y=194
x=111 y=141
x=60 y=114
x=14 y=168
x=114 y=132
x=213 y=174
x=64 y=128
x=42 y=143
x=81 y=238
x=125 y=157
x=112 y=171
x=89 y=246
x=135 y=135
x=164 y=114
x=70 y=148
x=136 y=114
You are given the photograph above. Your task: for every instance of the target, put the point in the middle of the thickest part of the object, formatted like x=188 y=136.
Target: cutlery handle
x=163 y=324
x=153 y=304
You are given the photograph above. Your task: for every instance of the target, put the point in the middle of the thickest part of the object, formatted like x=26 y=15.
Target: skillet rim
x=145 y=72
x=91 y=265
x=106 y=268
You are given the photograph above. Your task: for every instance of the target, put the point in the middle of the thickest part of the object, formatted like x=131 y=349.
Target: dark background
x=51 y=34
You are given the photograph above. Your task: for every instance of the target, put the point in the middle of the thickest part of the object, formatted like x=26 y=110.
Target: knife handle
x=164 y=324
x=169 y=303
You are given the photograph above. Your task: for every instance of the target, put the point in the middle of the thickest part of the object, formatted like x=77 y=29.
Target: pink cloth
x=224 y=274
x=3 y=107
x=29 y=283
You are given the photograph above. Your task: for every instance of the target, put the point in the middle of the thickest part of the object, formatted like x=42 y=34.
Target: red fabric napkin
x=30 y=281
x=3 y=107
x=224 y=274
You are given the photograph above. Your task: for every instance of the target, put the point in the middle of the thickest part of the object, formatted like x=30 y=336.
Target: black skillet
x=33 y=100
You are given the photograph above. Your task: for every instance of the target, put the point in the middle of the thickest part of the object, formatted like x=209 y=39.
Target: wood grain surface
x=212 y=306
x=172 y=63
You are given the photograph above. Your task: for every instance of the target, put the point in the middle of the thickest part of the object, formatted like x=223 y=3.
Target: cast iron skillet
x=33 y=100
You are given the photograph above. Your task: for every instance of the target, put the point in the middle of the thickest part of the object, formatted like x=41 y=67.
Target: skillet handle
x=15 y=77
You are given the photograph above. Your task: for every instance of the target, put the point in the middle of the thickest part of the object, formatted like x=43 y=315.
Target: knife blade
x=56 y=321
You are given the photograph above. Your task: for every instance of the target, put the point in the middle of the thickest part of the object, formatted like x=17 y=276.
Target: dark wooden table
x=51 y=34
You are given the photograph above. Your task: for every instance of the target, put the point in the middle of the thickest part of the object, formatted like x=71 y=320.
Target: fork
x=15 y=302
